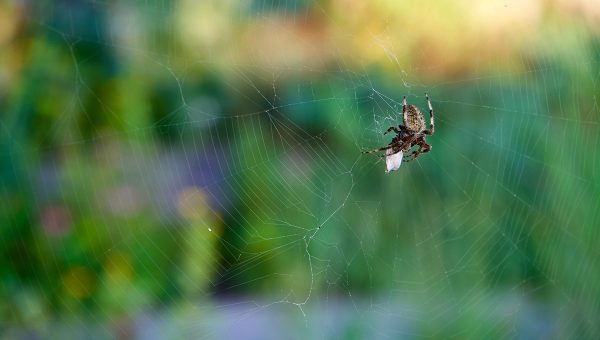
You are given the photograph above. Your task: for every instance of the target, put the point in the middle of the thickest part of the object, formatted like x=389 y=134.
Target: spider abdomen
x=414 y=119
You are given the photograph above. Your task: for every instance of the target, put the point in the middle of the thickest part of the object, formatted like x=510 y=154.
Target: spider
x=412 y=133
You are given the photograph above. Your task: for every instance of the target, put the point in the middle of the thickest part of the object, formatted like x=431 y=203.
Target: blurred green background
x=178 y=169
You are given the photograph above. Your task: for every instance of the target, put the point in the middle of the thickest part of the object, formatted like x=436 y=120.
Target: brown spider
x=412 y=133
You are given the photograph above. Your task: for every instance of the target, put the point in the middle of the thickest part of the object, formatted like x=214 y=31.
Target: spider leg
x=431 y=120
x=423 y=148
x=379 y=149
x=404 y=111
x=392 y=128
x=409 y=141
x=413 y=155
x=397 y=144
x=385 y=155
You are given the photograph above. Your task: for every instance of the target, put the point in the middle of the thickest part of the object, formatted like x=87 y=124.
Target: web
x=194 y=169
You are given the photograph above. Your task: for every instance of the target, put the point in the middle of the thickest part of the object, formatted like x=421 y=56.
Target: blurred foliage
x=155 y=153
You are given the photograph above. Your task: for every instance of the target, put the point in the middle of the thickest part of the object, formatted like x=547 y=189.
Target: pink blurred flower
x=56 y=220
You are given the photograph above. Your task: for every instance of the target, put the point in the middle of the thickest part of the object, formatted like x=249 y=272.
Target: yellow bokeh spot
x=78 y=282
x=206 y=25
x=192 y=203
x=118 y=267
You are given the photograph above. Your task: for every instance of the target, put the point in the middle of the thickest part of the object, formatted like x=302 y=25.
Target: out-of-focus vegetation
x=168 y=154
